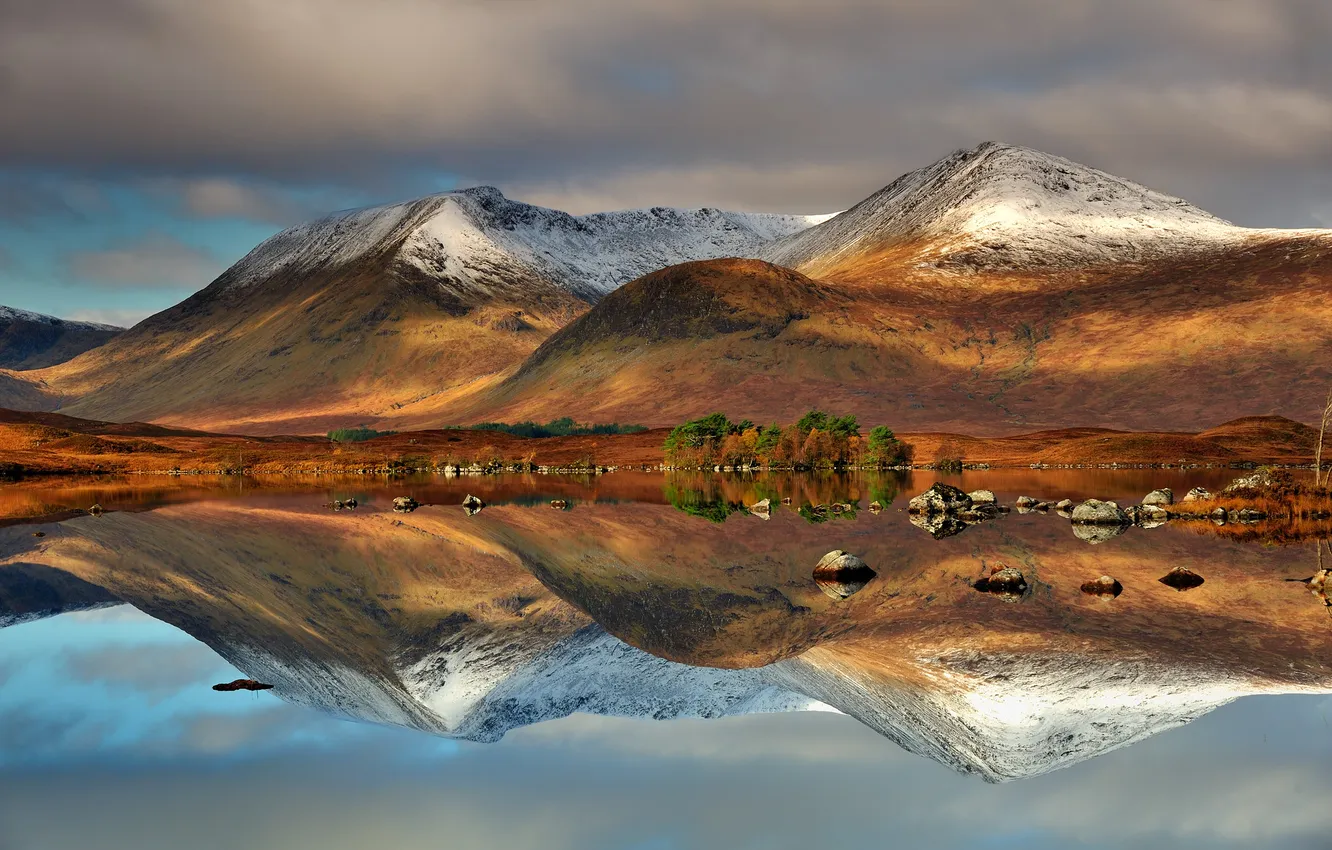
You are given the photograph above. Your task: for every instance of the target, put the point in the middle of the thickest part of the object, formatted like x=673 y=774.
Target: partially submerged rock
x=1104 y=587
x=1027 y=502
x=1197 y=494
x=982 y=497
x=875 y=507
x=405 y=504
x=762 y=508
x=472 y=505
x=559 y=504
x=840 y=574
x=1096 y=512
x=1152 y=516
x=1007 y=583
x=243 y=685
x=1181 y=579
x=96 y=510
x=939 y=499
x=1160 y=497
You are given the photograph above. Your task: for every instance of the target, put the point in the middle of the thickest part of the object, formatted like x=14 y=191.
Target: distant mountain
x=32 y=340
x=384 y=312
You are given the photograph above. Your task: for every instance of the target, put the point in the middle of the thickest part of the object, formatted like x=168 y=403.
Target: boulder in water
x=1181 y=579
x=982 y=497
x=1160 y=498
x=1197 y=494
x=405 y=504
x=939 y=499
x=840 y=574
x=1104 y=587
x=762 y=508
x=1007 y=583
x=1096 y=512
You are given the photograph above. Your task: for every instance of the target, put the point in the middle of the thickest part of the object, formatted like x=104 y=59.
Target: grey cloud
x=155 y=261
x=25 y=200
x=584 y=101
x=224 y=197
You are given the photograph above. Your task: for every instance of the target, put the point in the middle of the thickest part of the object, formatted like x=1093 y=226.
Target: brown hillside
x=1155 y=346
x=307 y=354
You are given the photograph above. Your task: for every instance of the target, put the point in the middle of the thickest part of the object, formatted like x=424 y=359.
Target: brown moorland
x=46 y=443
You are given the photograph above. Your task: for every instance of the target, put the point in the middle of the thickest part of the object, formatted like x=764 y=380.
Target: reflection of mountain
x=470 y=627
x=32 y=591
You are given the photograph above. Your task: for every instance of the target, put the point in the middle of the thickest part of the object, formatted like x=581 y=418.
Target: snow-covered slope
x=1006 y=717
x=479 y=240
x=1009 y=206
x=12 y=314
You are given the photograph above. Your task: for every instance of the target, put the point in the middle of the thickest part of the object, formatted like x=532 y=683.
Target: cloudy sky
x=147 y=144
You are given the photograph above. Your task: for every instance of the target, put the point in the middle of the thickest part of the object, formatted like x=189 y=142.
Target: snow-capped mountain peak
x=1006 y=205
x=477 y=239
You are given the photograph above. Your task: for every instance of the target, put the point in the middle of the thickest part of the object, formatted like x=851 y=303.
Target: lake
x=647 y=664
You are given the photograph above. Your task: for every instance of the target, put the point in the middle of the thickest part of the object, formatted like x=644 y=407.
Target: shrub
x=356 y=435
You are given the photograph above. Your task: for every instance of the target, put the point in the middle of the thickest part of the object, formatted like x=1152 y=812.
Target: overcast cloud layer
x=268 y=111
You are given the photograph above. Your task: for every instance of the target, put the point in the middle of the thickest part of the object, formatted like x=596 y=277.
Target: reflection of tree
x=883 y=488
x=696 y=502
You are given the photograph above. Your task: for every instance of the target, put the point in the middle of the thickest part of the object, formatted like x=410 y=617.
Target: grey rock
x=1096 y=512
x=762 y=508
x=1197 y=494
x=405 y=504
x=840 y=574
x=983 y=497
x=1027 y=502
x=939 y=499
x=1163 y=496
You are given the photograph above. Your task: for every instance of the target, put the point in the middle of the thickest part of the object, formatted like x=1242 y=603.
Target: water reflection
x=690 y=604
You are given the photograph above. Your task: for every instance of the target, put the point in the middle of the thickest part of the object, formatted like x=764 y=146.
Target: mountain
x=387 y=312
x=1000 y=206
x=32 y=340
x=472 y=626
x=1000 y=288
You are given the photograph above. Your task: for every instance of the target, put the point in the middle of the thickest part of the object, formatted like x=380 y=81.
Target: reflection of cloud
x=1210 y=785
x=155 y=669
x=157 y=260
x=742 y=782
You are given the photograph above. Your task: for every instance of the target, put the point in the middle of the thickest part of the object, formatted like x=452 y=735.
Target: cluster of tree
x=562 y=427
x=356 y=435
x=817 y=441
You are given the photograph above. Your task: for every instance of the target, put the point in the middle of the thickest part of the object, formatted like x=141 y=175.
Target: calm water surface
x=649 y=666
